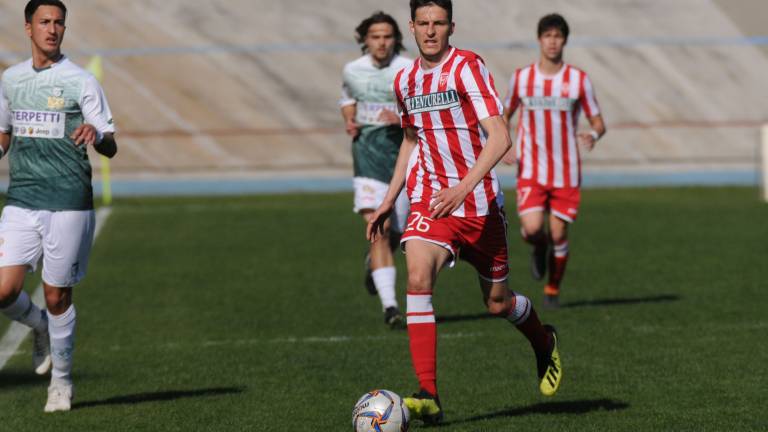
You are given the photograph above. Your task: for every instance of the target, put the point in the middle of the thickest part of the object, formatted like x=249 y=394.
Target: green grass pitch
x=249 y=313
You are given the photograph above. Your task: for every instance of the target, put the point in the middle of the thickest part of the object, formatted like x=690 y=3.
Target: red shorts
x=481 y=241
x=562 y=202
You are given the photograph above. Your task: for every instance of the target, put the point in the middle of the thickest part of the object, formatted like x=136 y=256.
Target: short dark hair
x=34 y=4
x=378 y=18
x=445 y=4
x=553 y=21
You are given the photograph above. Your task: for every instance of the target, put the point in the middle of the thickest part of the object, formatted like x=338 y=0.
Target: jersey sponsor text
x=432 y=102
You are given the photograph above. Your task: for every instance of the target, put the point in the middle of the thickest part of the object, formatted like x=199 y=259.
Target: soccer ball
x=380 y=411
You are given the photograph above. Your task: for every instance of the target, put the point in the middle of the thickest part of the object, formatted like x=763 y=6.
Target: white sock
x=384 y=279
x=62 y=331
x=26 y=312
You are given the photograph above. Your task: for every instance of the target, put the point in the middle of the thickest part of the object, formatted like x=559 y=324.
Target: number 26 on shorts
x=418 y=222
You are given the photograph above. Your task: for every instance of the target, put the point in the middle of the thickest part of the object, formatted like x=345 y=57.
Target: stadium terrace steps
x=244 y=86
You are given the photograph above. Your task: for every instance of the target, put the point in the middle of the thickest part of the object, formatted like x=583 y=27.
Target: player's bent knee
x=419 y=282
x=558 y=236
x=58 y=300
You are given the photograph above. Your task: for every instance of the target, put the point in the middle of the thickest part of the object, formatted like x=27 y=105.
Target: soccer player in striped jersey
x=50 y=111
x=370 y=116
x=550 y=95
x=454 y=136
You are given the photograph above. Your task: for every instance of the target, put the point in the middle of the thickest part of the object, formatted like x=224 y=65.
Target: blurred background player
x=50 y=110
x=452 y=119
x=369 y=111
x=552 y=94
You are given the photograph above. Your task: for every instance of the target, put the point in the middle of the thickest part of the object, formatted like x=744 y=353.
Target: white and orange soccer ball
x=380 y=411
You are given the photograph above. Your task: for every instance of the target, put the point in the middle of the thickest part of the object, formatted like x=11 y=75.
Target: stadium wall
x=245 y=91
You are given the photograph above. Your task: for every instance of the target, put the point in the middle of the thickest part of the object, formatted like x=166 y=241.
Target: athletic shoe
x=369 y=285
x=551 y=297
x=539 y=261
x=60 y=397
x=41 y=351
x=424 y=406
x=394 y=318
x=550 y=370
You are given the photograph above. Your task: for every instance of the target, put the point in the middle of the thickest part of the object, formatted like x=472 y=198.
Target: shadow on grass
x=564 y=407
x=622 y=301
x=467 y=317
x=13 y=378
x=661 y=298
x=163 y=396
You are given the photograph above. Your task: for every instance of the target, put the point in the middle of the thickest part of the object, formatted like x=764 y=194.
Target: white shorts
x=62 y=238
x=370 y=193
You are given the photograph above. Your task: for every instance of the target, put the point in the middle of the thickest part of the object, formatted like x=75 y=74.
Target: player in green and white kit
x=50 y=110
x=369 y=111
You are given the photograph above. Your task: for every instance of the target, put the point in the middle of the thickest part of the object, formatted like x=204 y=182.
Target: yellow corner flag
x=95 y=67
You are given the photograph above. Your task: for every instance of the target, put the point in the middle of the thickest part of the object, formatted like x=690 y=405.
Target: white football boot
x=60 y=397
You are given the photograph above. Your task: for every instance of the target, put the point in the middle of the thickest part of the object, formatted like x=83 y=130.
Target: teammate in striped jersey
x=454 y=136
x=368 y=108
x=550 y=94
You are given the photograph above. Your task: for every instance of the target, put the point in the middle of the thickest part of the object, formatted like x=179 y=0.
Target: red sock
x=535 y=332
x=557 y=262
x=422 y=332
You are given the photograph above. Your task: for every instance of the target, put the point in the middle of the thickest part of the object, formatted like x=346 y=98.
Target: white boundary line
x=341 y=339
x=17 y=332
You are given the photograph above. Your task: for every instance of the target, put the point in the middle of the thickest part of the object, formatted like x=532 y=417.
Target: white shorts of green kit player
x=370 y=193
x=62 y=238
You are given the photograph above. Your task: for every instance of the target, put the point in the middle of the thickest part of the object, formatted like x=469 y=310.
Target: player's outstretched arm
x=380 y=216
x=448 y=200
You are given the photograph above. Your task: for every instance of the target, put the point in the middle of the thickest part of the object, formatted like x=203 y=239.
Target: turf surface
x=249 y=314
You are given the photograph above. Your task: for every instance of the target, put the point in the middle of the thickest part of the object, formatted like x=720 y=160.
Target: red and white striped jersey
x=546 y=145
x=445 y=105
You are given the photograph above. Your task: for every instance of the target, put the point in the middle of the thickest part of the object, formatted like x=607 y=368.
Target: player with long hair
x=368 y=108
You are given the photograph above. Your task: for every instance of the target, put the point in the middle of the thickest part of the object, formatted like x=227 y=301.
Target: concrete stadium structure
x=230 y=89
